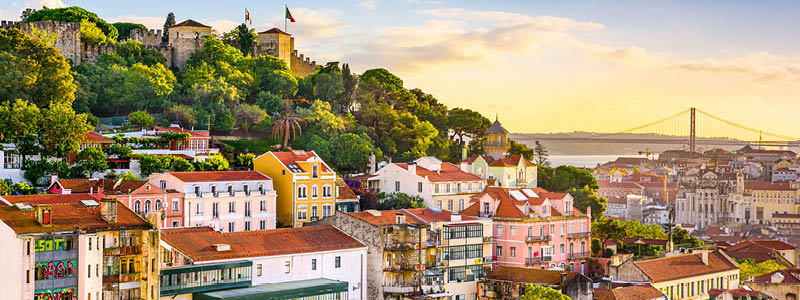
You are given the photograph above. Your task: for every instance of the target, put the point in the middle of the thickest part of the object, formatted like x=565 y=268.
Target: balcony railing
x=123 y=250
x=537 y=260
x=489 y=239
x=129 y=277
x=409 y=266
x=399 y=288
x=577 y=255
x=537 y=239
x=579 y=235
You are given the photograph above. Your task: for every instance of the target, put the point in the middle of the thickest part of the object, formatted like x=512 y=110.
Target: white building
x=440 y=184
x=225 y=200
x=274 y=256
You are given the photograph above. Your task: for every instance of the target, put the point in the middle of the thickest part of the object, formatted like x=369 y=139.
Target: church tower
x=496 y=144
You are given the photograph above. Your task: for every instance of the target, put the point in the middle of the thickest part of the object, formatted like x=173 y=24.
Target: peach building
x=534 y=228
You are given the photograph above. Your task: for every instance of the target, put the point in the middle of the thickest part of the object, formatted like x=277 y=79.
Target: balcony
x=537 y=239
x=404 y=267
x=123 y=250
x=129 y=277
x=537 y=260
x=489 y=239
x=399 y=288
x=314 y=218
x=579 y=235
x=402 y=244
x=172 y=279
x=578 y=255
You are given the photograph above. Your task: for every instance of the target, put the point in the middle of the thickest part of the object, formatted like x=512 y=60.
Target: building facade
x=225 y=200
x=509 y=283
x=304 y=184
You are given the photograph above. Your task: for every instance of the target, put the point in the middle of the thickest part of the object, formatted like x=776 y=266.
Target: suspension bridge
x=688 y=127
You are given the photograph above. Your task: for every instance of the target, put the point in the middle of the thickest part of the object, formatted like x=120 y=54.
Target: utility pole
x=692 y=130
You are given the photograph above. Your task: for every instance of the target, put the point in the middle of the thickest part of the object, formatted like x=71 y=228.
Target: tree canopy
x=75 y=14
x=538 y=292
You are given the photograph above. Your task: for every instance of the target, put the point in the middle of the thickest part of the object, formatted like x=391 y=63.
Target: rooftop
x=290 y=159
x=528 y=275
x=197 y=243
x=496 y=128
x=92 y=137
x=431 y=216
x=225 y=176
x=634 y=292
x=192 y=133
x=70 y=215
x=110 y=186
x=684 y=266
x=449 y=172
x=274 y=30
x=768 y=186
x=384 y=218
x=189 y=22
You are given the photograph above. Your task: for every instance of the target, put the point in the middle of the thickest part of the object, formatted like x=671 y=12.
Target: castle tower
x=277 y=43
x=496 y=144
x=186 y=37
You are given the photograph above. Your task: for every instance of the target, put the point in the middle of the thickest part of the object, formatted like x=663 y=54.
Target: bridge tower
x=692 y=128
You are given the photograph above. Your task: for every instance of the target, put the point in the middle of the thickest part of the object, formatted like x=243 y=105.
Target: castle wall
x=68 y=35
x=182 y=50
x=301 y=66
x=147 y=38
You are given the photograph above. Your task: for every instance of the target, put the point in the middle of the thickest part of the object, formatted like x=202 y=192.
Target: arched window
x=158 y=204
x=137 y=207
x=147 y=207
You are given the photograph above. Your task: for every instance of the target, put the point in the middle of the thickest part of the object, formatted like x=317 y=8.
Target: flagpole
x=285 y=8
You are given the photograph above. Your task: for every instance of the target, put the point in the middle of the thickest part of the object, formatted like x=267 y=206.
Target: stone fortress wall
x=177 y=51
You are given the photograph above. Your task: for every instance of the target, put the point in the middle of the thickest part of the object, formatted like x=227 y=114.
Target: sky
x=540 y=66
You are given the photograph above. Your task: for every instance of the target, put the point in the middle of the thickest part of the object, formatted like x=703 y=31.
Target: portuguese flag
x=289 y=15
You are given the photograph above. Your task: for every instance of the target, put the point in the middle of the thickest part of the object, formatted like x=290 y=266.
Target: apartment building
x=770 y=198
x=439 y=184
x=534 y=228
x=77 y=247
x=201 y=263
x=225 y=200
x=509 y=283
x=688 y=276
x=304 y=183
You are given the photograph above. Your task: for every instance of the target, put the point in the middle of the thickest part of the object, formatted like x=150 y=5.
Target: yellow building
x=771 y=198
x=496 y=144
x=304 y=184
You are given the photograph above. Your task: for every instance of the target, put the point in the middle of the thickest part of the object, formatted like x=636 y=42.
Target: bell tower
x=496 y=143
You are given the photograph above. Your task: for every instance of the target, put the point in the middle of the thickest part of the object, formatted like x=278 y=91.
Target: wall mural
x=57 y=294
x=56 y=269
x=56 y=244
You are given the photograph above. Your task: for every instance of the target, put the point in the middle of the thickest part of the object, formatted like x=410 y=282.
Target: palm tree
x=288 y=127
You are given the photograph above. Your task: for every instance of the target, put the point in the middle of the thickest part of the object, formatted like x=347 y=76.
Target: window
x=326 y=210
x=215 y=210
x=231 y=207
x=246 y=189
x=301 y=192
x=247 y=209
x=338 y=263
x=397 y=186
x=513 y=230
x=176 y=223
x=314 y=212
x=246 y=225
x=198 y=209
x=287 y=267
x=163 y=184
x=327 y=191
x=90 y=244
x=314 y=194
x=89 y=273
x=214 y=191
x=499 y=229
x=301 y=212
x=313 y=264
x=258 y=270
x=158 y=204
x=147 y=204
x=137 y=207
x=439 y=204
x=263 y=205
x=419 y=187
x=450 y=204
x=231 y=226
x=499 y=251
x=314 y=171
x=513 y=252
x=197 y=191
x=460 y=204
x=176 y=205
x=561 y=248
x=262 y=225
x=261 y=189
x=436 y=188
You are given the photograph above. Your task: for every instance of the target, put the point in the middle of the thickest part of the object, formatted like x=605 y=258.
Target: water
x=587 y=161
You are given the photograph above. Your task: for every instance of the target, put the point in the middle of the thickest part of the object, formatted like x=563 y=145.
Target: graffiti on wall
x=56 y=244
x=55 y=269
x=57 y=294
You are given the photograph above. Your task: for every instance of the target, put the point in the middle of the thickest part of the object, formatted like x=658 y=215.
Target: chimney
x=100 y=187
x=776 y=278
x=44 y=215
x=704 y=257
x=108 y=209
x=464 y=152
x=400 y=218
x=412 y=168
x=221 y=247
x=454 y=217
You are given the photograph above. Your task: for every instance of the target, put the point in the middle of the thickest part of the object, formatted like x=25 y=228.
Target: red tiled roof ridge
x=207 y=176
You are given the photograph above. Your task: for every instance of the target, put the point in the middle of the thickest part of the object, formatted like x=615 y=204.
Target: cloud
x=221 y=25
x=761 y=66
x=628 y=56
x=14 y=10
x=369 y=4
x=312 y=24
x=502 y=17
x=149 y=22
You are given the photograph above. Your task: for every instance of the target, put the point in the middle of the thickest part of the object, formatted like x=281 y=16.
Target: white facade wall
x=409 y=182
x=90 y=260
x=14 y=264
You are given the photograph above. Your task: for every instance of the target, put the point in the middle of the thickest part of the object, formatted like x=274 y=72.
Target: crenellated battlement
x=301 y=65
x=148 y=38
x=9 y=24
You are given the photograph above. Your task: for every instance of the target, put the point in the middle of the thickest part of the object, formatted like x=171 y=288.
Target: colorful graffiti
x=56 y=244
x=57 y=294
x=56 y=269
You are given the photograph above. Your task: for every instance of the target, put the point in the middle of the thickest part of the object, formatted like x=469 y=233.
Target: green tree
x=142 y=119
x=242 y=37
x=541 y=155
x=130 y=52
x=64 y=130
x=124 y=29
x=520 y=149
x=217 y=162
x=467 y=123
x=92 y=159
x=244 y=160
x=349 y=84
x=328 y=86
x=74 y=14
x=5 y=188
x=320 y=117
x=605 y=229
x=287 y=128
x=167 y=24
x=400 y=201
x=410 y=137
x=249 y=115
x=586 y=197
x=148 y=87
x=185 y=115
x=564 y=178
x=269 y=102
x=118 y=150
x=270 y=74
x=129 y=176
x=19 y=120
x=215 y=91
x=352 y=152
x=749 y=269
x=32 y=70
x=538 y=292
x=22 y=189
x=91 y=34
x=386 y=79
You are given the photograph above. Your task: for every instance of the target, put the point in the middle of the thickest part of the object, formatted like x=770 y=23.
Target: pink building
x=534 y=228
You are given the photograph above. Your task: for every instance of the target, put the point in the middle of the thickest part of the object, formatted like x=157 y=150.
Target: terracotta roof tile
x=790 y=276
x=212 y=176
x=430 y=215
x=767 y=186
x=345 y=193
x=529 y=275
x=92 y=137
x=449 y=172
x=684 y=266
x=70 y=215
x=603 y=294
x=52 y=198
x=292 y=157
x=637 y=292
x=273 y=30
x=197 y=242
x=110 y=186
x=383 y=217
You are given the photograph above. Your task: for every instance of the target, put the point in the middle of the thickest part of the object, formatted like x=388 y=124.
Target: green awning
x=283 y=290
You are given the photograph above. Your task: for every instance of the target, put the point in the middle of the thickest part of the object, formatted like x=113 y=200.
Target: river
x=587 y=161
